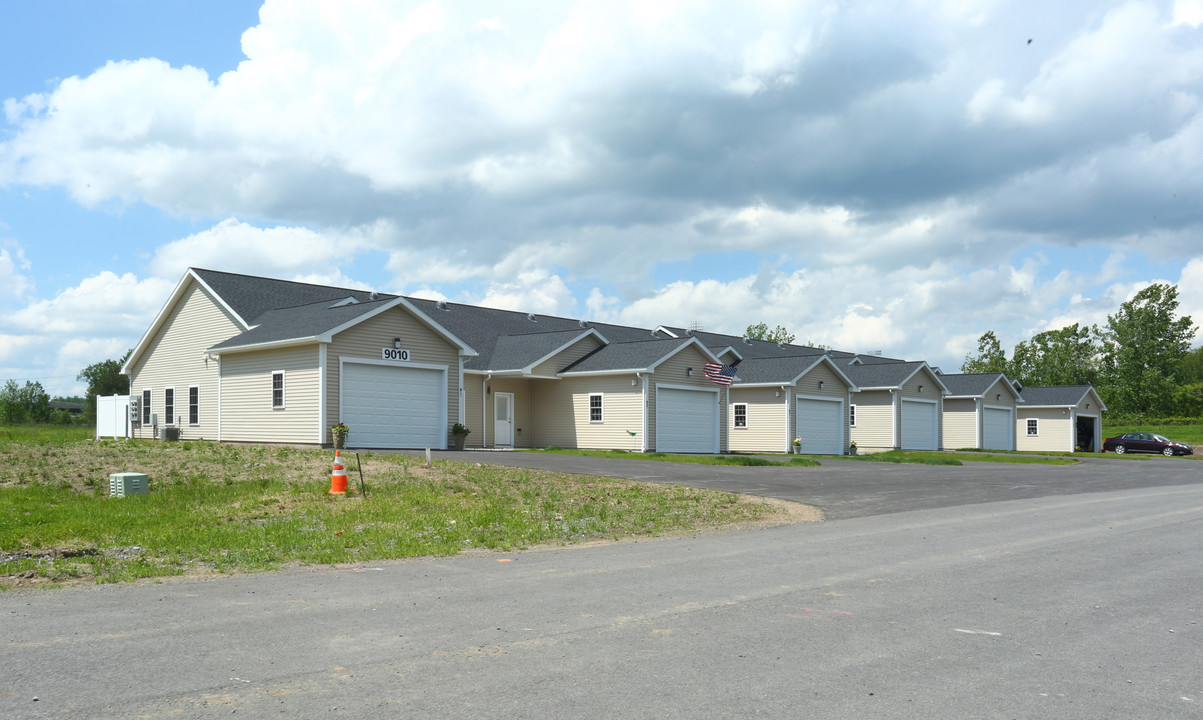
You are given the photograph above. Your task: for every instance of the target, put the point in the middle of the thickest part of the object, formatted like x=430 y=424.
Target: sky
x=900 y=177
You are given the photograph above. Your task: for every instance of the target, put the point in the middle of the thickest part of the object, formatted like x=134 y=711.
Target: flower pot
x=796 y=449
x=340 y=442
x=459 y=441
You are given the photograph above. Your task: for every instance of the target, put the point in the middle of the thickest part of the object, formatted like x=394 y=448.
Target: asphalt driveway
x=847 y=489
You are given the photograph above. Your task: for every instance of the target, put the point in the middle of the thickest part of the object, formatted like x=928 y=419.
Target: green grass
x=751 y=460
x=900 y=456
x=40 y=435
x=222 y=508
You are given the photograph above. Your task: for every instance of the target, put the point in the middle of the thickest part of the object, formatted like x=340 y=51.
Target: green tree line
x=29 y=403
x=1140 y=361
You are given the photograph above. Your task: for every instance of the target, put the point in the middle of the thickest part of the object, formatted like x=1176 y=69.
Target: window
x=740 y=414
x=278 y=389
x=851 y=416
x=1033 y=426
x=146 y=407
x=194 y=405
x=169 y=406
x=595 y=407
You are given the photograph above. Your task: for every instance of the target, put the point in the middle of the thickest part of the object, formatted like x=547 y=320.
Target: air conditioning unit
x=169 y=433
x=128 y=483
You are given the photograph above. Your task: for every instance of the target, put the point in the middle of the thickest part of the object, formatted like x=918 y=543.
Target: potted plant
x=339 y=433
x=797 y=446
x=852 y=448
x=461 y=434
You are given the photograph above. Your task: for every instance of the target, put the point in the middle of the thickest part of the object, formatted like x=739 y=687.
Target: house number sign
x=394 y=354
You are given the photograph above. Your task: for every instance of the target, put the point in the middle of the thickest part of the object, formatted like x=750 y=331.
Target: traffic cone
x=338 y=480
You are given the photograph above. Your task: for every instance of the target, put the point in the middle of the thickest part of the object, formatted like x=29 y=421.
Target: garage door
x=918 y=426
x=394 y=407
x=996 y=429
x=820 y=424
x=686 y=421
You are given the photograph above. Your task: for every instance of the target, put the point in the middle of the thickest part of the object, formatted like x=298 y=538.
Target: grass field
x=234 y=508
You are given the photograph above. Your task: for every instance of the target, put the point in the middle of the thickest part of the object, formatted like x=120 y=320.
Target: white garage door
x=686 y=421
x=821 y=427
x=996 y=429
x=919 y=426
x=394 y=407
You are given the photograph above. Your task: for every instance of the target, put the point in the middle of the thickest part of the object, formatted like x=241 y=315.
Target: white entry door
x=503 y=419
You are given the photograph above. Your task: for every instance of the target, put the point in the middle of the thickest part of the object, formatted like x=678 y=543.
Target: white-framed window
x=739 y=415
x=169 y=406
x=851 y=416
x=596 y=410
x=1033 y=426
x=278 y=390
x=194 y=405
x=146 y=406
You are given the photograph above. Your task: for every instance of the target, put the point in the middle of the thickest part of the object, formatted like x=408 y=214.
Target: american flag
x=719 y=373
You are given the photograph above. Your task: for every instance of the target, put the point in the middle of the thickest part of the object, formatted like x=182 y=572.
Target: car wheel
x=1168 y=452
x=1119 y=449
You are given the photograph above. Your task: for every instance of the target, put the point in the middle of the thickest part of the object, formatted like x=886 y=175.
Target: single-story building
x=979 y=411
x=1060 y=418
x=897 y=405
x=240 y=358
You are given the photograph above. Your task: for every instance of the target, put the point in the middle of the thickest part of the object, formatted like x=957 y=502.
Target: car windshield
x=1161 y=438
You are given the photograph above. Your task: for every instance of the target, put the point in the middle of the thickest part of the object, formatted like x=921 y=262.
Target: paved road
x=1083 y=606
x=1050 y=605
x=846 y=489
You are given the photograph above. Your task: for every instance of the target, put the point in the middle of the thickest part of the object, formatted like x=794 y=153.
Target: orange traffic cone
x=338 y=480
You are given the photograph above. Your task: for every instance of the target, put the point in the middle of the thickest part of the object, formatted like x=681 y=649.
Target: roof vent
x=781 y=345
x=689 y=332
x=531 y=317
x=583 y=323
x=373 y=295
x=442 y=305
x=654 y=334
x=747 y=340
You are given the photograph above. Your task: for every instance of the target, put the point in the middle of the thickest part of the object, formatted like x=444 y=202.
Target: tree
x=760 y=331
x=1144 y=347
x=103 y=378
x=23 y=403
x=991 y=358
x=1069 y=356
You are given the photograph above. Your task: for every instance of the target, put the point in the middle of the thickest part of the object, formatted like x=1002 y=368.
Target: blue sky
x=897 y=178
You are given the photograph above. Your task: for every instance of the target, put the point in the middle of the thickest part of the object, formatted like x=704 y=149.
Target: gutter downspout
x=789 y=434
x=643 y=443
x=484 y=410
x=895 y=418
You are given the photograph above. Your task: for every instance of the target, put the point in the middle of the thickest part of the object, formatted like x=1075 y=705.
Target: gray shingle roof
x=882 y=374
x=638 y=355
x=972 y=384
x=305 y=321
x=516 y=352
x=251 y=296
x=775 y=370
x=1054 y=395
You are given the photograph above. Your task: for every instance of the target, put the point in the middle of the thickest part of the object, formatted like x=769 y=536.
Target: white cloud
x=14 y=280
x=531 y=291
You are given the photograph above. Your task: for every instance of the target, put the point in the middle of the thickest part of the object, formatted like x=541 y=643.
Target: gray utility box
x=128 y=483
x=169 y=433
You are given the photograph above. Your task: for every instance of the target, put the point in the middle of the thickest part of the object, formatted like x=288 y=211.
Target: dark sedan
x=1146 y=442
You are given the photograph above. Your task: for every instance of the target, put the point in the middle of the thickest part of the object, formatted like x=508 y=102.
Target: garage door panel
x=820 y=425
x=919 y=426
x=686 y=421
x=393 y=407
x=997 y=424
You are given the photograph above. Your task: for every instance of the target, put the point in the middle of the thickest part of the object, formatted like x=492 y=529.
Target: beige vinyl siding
x=808 y=386
x=474 y=394
x=960 y=424
x=560 y=413
x=874 y=420
x=175 y=357
x=767 y=421
x=520 y=388
x=246 y=396
x=1056 y=430
x=673 y=372
x=570 y=354
x=365 y=340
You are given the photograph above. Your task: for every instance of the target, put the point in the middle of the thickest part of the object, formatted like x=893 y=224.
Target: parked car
x=1146 y=442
